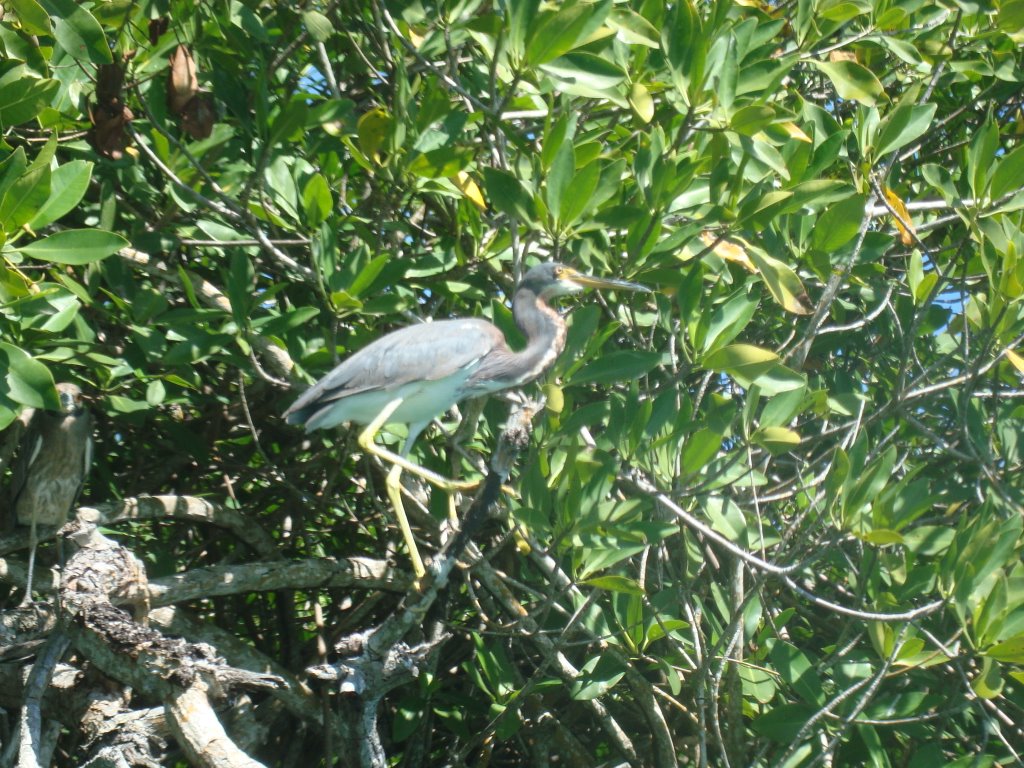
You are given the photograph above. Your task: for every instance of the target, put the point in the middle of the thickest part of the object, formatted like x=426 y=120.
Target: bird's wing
x=424 y=352
x=29 y=445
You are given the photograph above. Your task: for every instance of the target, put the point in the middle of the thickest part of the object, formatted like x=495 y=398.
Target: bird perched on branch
x=53 y=460
x=414 y=374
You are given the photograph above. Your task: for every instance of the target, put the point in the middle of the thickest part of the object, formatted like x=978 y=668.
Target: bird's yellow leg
x=366 y=442
x=394 y=488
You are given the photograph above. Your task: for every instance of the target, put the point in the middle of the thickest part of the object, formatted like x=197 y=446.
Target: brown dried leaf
x=198 y=116
x=108 y=134
x=182 y=85
x=156 y=28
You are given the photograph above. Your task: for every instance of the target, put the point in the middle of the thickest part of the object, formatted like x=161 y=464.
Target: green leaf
x=1009 y=173
x=682 y=39
x=521 y=14
x=319 y=26
x=23 y=199
x=442 y=162
x=744 y=360
x=598 y=676
x=853 y=81
x=23 y=96
x=617 y=366
x=67 y=187
x=27 y=381
x=903 y=125
x=1010 y=651
x=782 y=723
x=776 y=439
x=584 y=184
x=783 y=283
x=641 y=101
x=32 y=17
x=75 y=246
x=632 y=28
x=317 y=201
x=1011 y=19
x=700 y=448
x=881 y=537
x=613 y=583
x=751 y=119
x=508 y=194
x=988 y=683
x=980 y=155
x=586 y=74
x=796 y=668
x=559 y=179
x=839 y=224
x=554 y=34
x=77 y=31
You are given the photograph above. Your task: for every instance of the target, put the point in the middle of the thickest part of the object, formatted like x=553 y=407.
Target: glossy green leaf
x=981 y=154
x=777 y=440
x=508 y=194
x=23 y=97
x=67 y=187
x=77 y=31
x=700 y=448
x=555 y=33
x=744 y=360
x=839 y=224
x=614 y=583
x=585 y=74
x=559 y=180
x=22 y=199
x=783 y=283
x=685 y=47
x=319 y=26
x=75 y=246
x=598 y=676
x=581 y=193
x=750 y=119
x=32 y=17
x=317 y=201
x=26 y=381
x=1010 y=651
x=904 y=124
x=1008 y=173
x=797 y=669
x=853 y=81
x=621 y=365
x=988 y=683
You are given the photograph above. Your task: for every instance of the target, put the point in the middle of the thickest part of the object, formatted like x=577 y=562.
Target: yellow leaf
x=723 y=249
x=469 y=188
x=906 y=236
x=641 y=101
x=1015 y=359
x=841 y=55
x=372 y=129
x=794 y=132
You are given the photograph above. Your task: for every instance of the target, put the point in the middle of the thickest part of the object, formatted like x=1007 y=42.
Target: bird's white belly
x=422 y=401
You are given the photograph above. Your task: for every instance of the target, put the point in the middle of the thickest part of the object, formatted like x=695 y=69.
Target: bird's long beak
x=589 y=281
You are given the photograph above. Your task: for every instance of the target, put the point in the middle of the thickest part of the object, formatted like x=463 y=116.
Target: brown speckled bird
x=53 y=460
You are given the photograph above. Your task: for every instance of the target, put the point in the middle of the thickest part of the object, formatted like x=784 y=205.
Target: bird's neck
x=545 y=335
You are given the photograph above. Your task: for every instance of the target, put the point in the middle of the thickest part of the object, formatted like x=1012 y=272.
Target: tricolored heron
x=412 y=375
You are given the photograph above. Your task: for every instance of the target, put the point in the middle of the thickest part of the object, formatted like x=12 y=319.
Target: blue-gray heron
x=414 y=374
